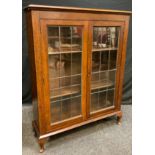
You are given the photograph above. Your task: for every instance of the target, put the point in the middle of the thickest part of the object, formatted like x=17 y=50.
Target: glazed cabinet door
x=65 y=55
x=104 y=66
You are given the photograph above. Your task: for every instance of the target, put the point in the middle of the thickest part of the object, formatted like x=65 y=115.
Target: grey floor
x=104 y=137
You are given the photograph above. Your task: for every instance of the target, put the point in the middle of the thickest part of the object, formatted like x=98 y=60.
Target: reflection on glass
x=105 y=37
x=54 y=70
x=65 y=62
x=104 y=59
x=64 y=39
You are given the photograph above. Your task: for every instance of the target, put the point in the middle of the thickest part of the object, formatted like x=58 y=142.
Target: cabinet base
x=42 y=138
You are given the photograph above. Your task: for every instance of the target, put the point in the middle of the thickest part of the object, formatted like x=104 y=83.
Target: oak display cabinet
x=77 y=58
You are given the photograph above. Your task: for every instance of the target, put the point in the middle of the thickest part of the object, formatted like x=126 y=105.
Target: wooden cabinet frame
x=116 y=104
x=38 y=18
x=44 y=25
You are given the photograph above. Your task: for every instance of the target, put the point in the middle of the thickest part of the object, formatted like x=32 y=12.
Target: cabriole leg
x=41 y=144
x=119 y=118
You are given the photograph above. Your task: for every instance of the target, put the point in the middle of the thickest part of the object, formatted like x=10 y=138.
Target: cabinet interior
x=65 y=69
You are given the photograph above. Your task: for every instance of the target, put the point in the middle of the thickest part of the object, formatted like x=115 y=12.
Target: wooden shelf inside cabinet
x=65 y=91
x=101 y=84
x=76 y=89
x=107 y=105
x=64 y=50
x=57 y=37
x=104 y=49
x=57 y=52
x=53 y=37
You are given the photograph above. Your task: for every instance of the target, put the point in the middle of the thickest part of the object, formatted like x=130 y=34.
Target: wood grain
x=38 y=19
x=61 y=8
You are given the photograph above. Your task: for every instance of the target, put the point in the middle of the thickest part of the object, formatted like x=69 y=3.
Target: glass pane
x=65 y=32
x=112 y=77
x=75 y=106
x=95 y=61
x=65 y=62
x=105 y=37
x=76 y=38
x=54 y=69
x=94 y=102
x=53 y=39
x=95 y=77
x=110 y=97
x=55 y=83
x=113 y=58
x=55 y=111
x=76 y=63
x=102 y=99
x=65 y=81
x=104 y=79
x=65 y=38
x=66 y=108
x=104 y=61
x=76 y=79
x=53 y=31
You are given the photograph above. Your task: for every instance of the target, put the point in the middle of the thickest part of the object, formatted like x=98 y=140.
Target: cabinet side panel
x=39 y=69
x=32 y=65
x=123 y=59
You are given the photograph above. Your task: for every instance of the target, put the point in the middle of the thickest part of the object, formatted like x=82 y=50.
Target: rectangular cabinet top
x=64 y=8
